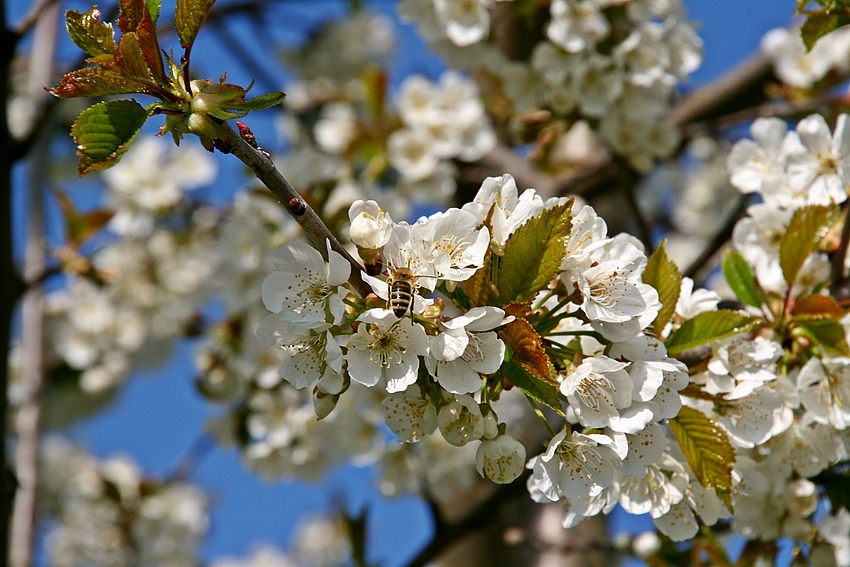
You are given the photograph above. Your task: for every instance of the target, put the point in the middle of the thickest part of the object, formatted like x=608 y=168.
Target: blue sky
x=159 y=415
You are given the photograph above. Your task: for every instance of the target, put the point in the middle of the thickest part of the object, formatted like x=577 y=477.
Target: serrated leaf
x=262 y=101
x=78 y=228
x=480 y=288
x=808 y=225
x=817 y=307
x=130 y=15
x=543 y=392
x=89 y=33
x=105 y=131
x=139 y=17
x=740 y=277
x=94 y=81
x=533 y=254
x=829 y=334
x=663 y=274
x=820 y=23
x=707 y=327
x=153 y=9
x=708 y=450
x=527 y=350
x=129 y=58
x=189 y=17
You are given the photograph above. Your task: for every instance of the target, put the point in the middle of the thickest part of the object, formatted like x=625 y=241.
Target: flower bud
x=370 y=226
x=501 y=460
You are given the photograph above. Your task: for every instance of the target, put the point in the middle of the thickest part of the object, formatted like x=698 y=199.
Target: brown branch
x=479 y=518
x=837 y=268
x=719 y=240
x=261 y=164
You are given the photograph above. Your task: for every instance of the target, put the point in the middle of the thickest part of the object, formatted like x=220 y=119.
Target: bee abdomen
x=401 y=296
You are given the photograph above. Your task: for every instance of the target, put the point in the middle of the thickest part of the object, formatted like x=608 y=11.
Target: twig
x=721 y=238
x=191 y=458
x=265 y=170
x=31 y=17
x=479 y=518
x=837 y=268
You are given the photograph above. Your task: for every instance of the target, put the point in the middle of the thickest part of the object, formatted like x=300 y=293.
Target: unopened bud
x=323 y=404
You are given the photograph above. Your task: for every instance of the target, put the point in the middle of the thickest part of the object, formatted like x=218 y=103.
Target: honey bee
x=402 y=283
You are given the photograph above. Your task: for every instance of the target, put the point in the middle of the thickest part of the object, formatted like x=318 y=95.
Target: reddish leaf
x=527 y=350
x=95 y=81
x=129 y=58
x=132 y=13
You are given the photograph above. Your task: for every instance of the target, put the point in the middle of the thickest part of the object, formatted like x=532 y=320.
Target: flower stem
x=540 y=415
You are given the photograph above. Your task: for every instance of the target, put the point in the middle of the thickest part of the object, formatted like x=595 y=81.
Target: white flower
x=510 y=211
x=750 y=420
x=465 y=21
x=303 y=288
x=336 y=127
x=611 y=290
x=576 y=25
x=463 y=352
x=309 y=351
x=457 y=246
x=792 y=62
x=386 y=347
x=460 y=421
x=410 y=152
x=823 y=170
x=370 y=226
x=693 y=302
x=577 y=469
x=740 y=365
x=654 y=494
x=825 y=390
x=758 y=165
x=597 y=390
x=408 y=416
x=501 y=459
x=645 y=446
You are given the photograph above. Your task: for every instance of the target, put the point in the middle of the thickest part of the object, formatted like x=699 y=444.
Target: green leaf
x=821 y=23
x=707 y=327
x=103 y=132
x=708 y=450
x=189 y=18
x=817 y=307
x=663 y=274
x=807 y=227
x=94 y=81
x=262 y=101
x=89 y=33
x=740 y=277
x=829 y=334
x=533 y=254
x=153 y=9
x=543 y=392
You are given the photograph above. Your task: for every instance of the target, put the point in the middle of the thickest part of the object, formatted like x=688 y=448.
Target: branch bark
x=261 y=164
x=28 y=422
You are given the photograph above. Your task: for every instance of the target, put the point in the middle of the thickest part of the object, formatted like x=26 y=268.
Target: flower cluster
x=108 y=513
x=613 y=62
x=441 y=332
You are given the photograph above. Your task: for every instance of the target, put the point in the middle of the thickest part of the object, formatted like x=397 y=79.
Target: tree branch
x=479 y=518
x=261 y=164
